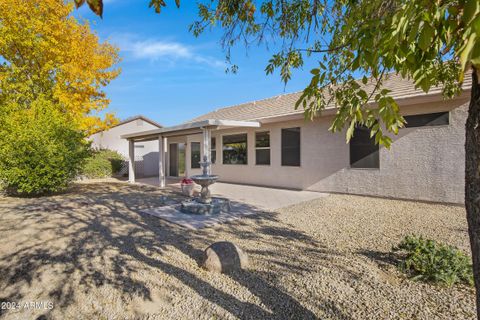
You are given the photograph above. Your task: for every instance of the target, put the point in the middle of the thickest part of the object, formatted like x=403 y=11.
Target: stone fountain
x=205 y=203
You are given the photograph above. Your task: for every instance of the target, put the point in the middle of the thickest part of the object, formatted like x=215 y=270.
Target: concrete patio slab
x=172 y=213
x=264 y=198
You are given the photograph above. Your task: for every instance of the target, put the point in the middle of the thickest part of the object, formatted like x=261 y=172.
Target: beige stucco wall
x=423 y=163
x=146 y=153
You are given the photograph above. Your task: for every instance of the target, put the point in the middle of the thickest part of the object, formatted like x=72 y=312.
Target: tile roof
x=285 y=104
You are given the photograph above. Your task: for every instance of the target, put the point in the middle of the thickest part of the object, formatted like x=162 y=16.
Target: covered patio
x=263 y=198
x=199 y=133
x=180 y=134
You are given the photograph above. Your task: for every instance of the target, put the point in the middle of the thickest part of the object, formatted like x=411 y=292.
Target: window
x=429 y=119
x=195 y=155
x=291 y=147
x=262 y=148
x=364 y=153
x=213 y=148
x=235 y=149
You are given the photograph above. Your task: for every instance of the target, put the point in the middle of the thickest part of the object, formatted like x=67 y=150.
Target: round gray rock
x=224 y=257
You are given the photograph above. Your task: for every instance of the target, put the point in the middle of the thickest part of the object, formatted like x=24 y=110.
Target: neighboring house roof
x=138 y=117
x=285 y=104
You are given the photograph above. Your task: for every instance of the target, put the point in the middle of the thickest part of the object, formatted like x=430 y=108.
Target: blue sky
x=171 y=76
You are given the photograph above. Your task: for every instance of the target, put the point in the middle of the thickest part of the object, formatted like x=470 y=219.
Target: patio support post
x=131 y=162
x=206 y=147
x=162 y=142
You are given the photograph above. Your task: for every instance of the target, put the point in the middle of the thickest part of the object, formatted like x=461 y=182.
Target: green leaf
x=385 y=91
x=300 y=100
x=157 y=5
x=356 y=63
x=322 y=77
x=363 y=95
x=426 y=37
x=374 y=129
x=465 y=53
x=79 y=3
x=411 y=58
x=96 y=6
x=475 y=56
x=472 y=7
x=425 y=84
x=476 y=24
x=350 y=130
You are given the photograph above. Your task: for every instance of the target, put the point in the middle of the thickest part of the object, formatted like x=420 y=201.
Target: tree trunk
x=472 y=180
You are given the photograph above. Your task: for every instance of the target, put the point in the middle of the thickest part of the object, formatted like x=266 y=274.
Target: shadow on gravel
x=381 y=258
x=101 y=238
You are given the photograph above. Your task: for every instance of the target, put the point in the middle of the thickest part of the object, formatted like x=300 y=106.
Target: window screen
x=364 y=153
x=291 y=147
x=262 y=148
x=429 y=119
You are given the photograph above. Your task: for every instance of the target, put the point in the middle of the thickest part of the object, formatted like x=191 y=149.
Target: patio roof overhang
x=189 y=128
x=204 y=127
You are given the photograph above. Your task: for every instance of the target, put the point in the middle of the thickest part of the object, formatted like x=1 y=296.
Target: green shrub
x=428 y=260
x=41 y=151
x=103 y=163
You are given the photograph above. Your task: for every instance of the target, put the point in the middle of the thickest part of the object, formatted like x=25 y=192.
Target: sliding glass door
x=176 y=159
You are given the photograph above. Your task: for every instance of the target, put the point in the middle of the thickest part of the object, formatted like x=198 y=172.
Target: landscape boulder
x=224 y=257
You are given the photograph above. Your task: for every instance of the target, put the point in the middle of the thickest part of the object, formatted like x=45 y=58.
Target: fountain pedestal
x=205 y=204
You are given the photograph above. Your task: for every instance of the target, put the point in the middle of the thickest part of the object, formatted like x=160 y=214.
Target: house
x=268 y=143
x=146 y=153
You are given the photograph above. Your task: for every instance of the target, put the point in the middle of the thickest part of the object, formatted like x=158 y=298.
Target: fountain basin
x=216 y=205
x=204 y=179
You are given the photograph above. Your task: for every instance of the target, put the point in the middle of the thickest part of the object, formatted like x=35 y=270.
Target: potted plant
x=187 y=185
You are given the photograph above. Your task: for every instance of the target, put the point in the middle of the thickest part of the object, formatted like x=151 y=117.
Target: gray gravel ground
x=95 y=256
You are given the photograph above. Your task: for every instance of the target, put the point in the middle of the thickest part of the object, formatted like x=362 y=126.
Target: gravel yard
x=93 y=255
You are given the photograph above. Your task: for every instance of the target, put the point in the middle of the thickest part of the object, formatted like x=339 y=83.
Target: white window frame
x=269 y=148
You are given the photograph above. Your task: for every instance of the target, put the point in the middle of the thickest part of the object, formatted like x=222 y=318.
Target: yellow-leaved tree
x=52 y=73
x=46 y=51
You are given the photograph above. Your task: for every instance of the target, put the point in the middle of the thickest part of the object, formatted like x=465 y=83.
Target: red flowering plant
x=187 y=181
x=187 y=186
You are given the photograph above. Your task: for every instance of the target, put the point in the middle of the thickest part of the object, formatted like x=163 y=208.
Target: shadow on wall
x=146 y=165
x=101 y=240
x=417 y=158
x=150 y=164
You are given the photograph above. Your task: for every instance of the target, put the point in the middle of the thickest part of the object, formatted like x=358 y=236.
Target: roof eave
x=188 y=127
x=401 y=100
